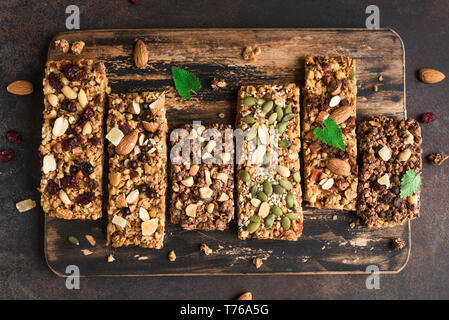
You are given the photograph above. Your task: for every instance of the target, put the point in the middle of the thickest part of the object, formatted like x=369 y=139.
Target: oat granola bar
x=268 y=179
x=137 y=130
x=330 y=173
x=72 y=139
x=203 y=190
x=388 y=148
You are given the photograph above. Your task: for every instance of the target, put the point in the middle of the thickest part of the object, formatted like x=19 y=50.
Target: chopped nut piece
x=62 y=45
x=245 y=296
x=398 y=243
x=90 y=239
x=149 y=227
x=25 y=205
x=381 y=78
x=111 y=258
x=352 y=225
x=250 y=53
x=375 y=88
x=257 y=262
x=437 y=158
x=86 y=252
x=217 y=83
x=77 y=47
x=119 y=221
x=172 y=255
x=207 y=251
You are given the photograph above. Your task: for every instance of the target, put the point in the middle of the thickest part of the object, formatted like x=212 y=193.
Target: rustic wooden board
x=327 y=245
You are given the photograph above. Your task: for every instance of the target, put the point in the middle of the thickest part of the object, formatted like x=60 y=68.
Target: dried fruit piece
x=14 y=137
x=25 y=205
x=428 y=75
x=385 y=153
x=428 y=117
x=115 y=136
x=140 y=54
x=20 y=87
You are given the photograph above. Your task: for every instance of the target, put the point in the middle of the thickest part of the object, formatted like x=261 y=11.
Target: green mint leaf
x=185 y=82
x=352 y=74
x=330 y=134
x=410 y=183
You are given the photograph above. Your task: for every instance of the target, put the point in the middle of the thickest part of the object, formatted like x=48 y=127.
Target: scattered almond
x=128 y=143
x=140 y=54
x=206 y=193
x=335 y=101
x=20 y=87
x=338 y=166
x=428 y=75
x=91 y=240
x=342 y=114
x=149 y=226
x=150 y=126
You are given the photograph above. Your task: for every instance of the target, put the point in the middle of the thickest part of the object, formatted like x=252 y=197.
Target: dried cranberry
x=85 y=198
x=428 y=117
x=81 y=75
x=397 y=202
x=125 y=128
x=52 y=187
x=326 y=68
x=86 y=168
x=14 y=137
x=73 y=170
x=142 y=157
x=377 y=186
x=93 y=184
x=126 y=211
x=70 y=71
x=69 y=182
x=95 y=141
x=133 y=174
x=6 y=155
x=134 y=1
x=68 y=105
x=70 y=131
x=81 y=122
x=69 y=143
x=142 y=188
x=87 y=113
x=132 y=164
x=54 y=81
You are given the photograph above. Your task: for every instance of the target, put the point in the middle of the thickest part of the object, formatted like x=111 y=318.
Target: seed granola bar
x=203 y=193
x=330 y=91
x=388 y=148
x=72 y=139
x=137 y=130
x=268 y=183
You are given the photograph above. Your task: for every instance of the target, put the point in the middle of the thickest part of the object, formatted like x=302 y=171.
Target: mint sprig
x=330 y=134
x=185 y=82
x=410 y=183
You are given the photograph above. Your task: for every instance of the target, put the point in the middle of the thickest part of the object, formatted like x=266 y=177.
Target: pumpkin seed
x=256 y=202
x=288 y=110
x=285 y=184
x=276 y=210
x=255 y=218
x=285 y=223
x=260 y=101
x=279 y=113
x=281 y=127
x=289 y=199
x=252 y=132
x=278 y=189
x=73 y=240
x=249 y=120
x=284 y=143
x=267 y=188
x=253 y=226
x=267 y=106
x=272 y=118
x=288 y=117
x=244 y=175
x=254 y=190
x=269 y=221
x=267 y=159
x=297 y=177
x=292 y=216
x=249 y=101
x=262 y=196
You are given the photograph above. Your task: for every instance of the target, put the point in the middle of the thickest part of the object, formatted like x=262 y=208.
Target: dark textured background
x=26 y=28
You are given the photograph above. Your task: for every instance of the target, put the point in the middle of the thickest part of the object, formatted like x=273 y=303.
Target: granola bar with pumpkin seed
x=72 y=139
x=203 y=188
x=137 y=130
x=268 y=180
x=330 y=173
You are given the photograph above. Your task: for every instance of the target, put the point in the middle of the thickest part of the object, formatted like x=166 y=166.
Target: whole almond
x=140 y=54
x=338 y=166
x=20 y=87
x=428 y=75
x=128 y=143
x=150 y=126
x=342 y=114
x=246 y=296
x=121 y=201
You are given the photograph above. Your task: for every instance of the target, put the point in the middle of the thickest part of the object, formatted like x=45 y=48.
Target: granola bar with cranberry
x=268 y=179
x=72 y=139
x=330 y=173
x=203 y=187
x=136 y=144
x=388 y=148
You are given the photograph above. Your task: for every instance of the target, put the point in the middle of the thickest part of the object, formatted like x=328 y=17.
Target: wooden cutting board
x=328 y=244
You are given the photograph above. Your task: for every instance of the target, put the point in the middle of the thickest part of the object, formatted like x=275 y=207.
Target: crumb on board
x=77 y=47
x=86 y=252
x=437 y=158
x=91 y=240
x=221 y=115
x=172 y=255
x=352 y=225
x=334 y=217
x=142 y=258
x=111 y=258
x=204 y=248
x=217 y=83
x=246 y=296
x=381 y=78
x=250 y=53
x=257 y=262
x=62 y=45
x=398 y=243
x=375 y=88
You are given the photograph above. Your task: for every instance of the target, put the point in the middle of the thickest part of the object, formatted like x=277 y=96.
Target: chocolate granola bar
x=72 y=139
x=202 y=195
x=268 y=184
x=388 y=148
x=330 y=173
x=137 y=130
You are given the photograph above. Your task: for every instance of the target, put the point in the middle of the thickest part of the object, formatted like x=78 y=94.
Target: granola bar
x=137 y=130
x=388 y=148
x=330 y=173
x=72 y=139
x=203 y=188
x=268 y=183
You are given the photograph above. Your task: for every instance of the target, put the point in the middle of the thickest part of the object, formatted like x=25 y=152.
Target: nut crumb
x=142 y=258
x=257 y=262
x=91 y=240
x=111 y=258
x=246 y=296
x=437 y=158
x=375 y=88
x=207 y=251
x=86 y=252
x=77 y=47
x=334 y=217
x=218 y=83
x=221 y=115
x=398 y=243
x=250 y=53
x=352 y=225
x=381 y=78
x=62 y=45
x=172 y=255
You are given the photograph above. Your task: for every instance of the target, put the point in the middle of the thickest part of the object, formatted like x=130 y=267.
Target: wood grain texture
x=327 y=245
